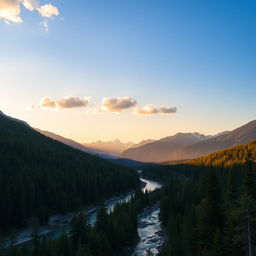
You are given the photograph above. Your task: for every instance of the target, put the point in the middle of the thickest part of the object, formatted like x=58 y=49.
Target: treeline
x=40 y=177
x=213 y=213
x=226 y=158
x=111 y=233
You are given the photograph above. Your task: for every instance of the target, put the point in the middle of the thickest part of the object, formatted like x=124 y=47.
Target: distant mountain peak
x=191 y=145
x=160 y=150
x=195 y=136
x=114 y=147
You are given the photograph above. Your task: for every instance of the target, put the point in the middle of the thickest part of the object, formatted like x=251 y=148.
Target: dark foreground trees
x=111 y=233
x=40 y=177
x=213 y=213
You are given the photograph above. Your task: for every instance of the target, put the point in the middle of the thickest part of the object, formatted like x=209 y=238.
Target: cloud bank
x=117 y=104
x=67 y=102
x=152 y=109
x=10 y=10
x=108 y=105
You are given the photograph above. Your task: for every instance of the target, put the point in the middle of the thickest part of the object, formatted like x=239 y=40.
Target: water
x=150 y=185
x=109 y=205
x=149 y=228
x=150 y=233
x=60 y=225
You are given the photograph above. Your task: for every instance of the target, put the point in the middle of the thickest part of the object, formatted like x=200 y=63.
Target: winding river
x=149 y=229
x=150 y=233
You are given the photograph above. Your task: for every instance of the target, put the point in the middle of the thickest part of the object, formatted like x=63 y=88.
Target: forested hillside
x=226 y=158
x=111 y=234
x=40 y=176
x=212 y=209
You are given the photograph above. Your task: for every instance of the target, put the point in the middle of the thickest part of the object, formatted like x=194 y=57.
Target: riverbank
x=61 y=224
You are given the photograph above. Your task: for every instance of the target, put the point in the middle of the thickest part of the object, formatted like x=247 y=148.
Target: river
x=149 y=225
x=150 y=232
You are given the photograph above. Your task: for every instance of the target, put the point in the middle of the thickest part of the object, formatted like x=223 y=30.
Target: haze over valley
x=181 y=146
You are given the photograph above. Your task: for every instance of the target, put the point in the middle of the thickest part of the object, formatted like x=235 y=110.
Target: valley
x=162 y=185
x=127 y=128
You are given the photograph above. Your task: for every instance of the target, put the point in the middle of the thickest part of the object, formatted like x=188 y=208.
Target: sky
x=128 y=69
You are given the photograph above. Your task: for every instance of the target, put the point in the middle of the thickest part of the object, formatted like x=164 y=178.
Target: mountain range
x=160 y=150
x=114 y=148
x=191 y=145
x=107 y=150
x=241 y=135
x=171 y=149
x=76 y=145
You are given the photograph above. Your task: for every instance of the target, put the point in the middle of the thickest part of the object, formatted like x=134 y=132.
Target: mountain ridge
x=178 y=148
x=159 y=151
x=238 y=136
x=75 y=144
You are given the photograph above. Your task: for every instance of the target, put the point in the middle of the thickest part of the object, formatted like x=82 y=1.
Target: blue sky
x=198 y=56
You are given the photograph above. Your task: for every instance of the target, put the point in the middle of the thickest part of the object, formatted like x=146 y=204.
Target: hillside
x=183 y=146
x=241 y=135
x=75 y=144
x=66 y=141
x=212 y=199
x=161 y=150
x=40 y=176
x=229 y=157
x=142 y=143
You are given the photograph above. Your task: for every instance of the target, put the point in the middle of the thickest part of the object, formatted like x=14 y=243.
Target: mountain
x=241 y=135
x=106 y=150
x=115 y=147
x=234 y=156
x=66 y=141
x=197 y=193
x=75 y=144
x=184 y=146
x=142 y=143
x=40 y=176
x=161 y=150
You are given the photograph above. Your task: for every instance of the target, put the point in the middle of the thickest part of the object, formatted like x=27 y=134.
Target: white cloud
x=10 y=10
x=31 y=5
x=117 y=104
x=47 y=102
x=147 y=110
x=72 y=102
x=66 y=102
x=152 y=109
x=108 y=105
x=48 y=10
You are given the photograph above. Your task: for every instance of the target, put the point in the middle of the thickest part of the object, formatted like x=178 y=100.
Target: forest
x=40 y=177
x=207 y=206
x=211 y=211
x=111 y=234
